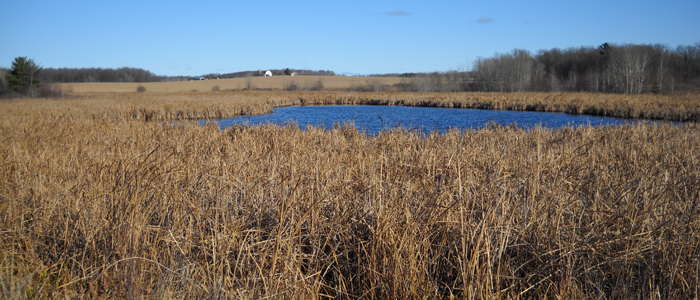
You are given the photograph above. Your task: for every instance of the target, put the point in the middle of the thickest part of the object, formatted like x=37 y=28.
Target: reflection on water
x=373 y=119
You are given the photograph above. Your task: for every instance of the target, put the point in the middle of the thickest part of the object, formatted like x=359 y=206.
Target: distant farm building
x=293 y=74
x=268 y=73
x=198 y=78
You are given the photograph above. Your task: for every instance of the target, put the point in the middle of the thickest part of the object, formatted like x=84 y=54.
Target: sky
x=191 y=38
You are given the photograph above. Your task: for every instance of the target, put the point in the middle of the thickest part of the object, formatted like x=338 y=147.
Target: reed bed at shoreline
x=96 y=203
x=226 y=104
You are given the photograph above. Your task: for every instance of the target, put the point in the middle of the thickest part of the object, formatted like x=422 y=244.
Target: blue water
x=373 y=119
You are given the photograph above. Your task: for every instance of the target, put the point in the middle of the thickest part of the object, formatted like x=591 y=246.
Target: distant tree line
x=626 y=69
x=608 y=68
x=67 y=75
x=4 y=85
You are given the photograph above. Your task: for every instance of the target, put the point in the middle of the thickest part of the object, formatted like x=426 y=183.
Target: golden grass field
x=274 y=82
x=102 y=198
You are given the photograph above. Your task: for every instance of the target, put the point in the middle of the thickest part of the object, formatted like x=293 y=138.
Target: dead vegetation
x=225 y=104
x=94 y=202
x=235 y=84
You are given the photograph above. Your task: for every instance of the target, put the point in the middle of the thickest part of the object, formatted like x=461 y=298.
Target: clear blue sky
x=364 y=37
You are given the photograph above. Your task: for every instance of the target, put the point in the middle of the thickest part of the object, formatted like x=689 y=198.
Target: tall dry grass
x=95 y=204
x=225 y=104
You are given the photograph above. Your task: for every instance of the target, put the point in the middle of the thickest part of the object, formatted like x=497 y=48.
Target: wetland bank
x=99 y=199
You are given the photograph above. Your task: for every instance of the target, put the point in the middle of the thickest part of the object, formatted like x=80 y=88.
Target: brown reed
x=95 y=204
x=226 y=104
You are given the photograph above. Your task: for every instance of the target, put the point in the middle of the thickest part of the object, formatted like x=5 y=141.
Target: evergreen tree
x=23 y=77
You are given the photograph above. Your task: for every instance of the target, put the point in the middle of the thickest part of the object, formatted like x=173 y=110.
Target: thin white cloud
x=398 y=13
x=484 y=20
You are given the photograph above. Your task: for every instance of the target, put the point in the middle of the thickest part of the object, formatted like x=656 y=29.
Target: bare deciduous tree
x=507 y=72
x=628 y=68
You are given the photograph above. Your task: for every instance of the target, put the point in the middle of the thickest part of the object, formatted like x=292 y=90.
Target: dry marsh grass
x=257 y=82
x=225 y=104
x=96 y=203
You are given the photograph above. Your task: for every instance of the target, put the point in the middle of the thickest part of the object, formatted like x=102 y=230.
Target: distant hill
x=71 y=75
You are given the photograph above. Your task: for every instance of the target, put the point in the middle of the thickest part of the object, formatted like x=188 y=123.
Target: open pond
x=373 y=119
